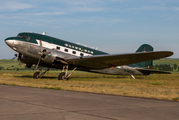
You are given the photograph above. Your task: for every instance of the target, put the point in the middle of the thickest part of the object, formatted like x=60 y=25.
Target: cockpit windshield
x=23 y=36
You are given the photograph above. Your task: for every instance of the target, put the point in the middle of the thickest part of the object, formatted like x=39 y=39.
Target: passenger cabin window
x=66 y=50
x=81 y=54
x=74 y=52
x=58 y=48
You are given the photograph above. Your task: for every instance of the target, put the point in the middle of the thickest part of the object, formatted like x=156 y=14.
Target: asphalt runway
x=25 y=103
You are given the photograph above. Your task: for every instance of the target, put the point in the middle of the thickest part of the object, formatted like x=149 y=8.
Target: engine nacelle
x=27 y=60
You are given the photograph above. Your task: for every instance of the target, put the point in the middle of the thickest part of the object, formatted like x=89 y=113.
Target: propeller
x=14 y=57
x=18 y=56
x=42 y=53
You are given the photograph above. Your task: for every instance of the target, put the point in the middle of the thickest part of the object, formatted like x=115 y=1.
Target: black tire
x=61 y=76
x=37 y=75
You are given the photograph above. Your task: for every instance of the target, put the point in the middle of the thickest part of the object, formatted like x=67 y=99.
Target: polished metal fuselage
x=30 y=55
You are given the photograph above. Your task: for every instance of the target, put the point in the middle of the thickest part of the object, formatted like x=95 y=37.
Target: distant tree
x=164 y=67
x=175 y=66
x=1 y=68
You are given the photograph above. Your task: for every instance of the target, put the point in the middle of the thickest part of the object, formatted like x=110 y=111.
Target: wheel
x=37 y=75
x=61 y=76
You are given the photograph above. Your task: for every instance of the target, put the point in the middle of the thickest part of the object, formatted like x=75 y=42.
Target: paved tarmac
x=25 y=103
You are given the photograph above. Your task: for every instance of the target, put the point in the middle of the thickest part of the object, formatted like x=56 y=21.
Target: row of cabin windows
x=74 y=52
x=71 y=46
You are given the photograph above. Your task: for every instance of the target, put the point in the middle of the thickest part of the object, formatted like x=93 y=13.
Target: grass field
x=154 y=86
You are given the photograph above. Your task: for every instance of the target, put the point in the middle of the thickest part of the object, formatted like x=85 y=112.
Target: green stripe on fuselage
x=34 y=36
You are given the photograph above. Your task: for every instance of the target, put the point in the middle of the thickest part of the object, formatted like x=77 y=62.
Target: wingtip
x=169 y=53
x=166 y=53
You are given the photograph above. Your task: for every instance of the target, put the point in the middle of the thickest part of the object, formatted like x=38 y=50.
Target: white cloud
x=176 y=8
x=46 y=13
x=83 y=6
x=13 y=6
x=85 y=9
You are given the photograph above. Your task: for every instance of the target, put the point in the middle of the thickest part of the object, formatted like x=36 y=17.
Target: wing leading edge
x=106 y=61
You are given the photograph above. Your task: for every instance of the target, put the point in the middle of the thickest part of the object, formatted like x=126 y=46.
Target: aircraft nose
x=9 y=42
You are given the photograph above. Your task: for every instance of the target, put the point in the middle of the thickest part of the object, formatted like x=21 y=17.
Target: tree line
x=166 y=67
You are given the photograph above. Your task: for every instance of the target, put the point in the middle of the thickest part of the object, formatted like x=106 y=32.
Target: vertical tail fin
x=145 y=48
x=147 y=64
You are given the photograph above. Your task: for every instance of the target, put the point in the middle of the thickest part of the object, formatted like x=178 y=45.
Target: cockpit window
x=24 y=37
x=21 y=36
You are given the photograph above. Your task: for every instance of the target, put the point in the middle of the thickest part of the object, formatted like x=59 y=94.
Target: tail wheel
x=62 y=76
x=37 y=75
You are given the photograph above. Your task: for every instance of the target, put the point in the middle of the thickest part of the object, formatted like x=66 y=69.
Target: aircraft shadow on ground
x=30 y=76
x=53 y=77
x=87 y=77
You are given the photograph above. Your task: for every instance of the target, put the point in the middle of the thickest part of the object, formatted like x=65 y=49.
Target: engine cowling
x=27 y=60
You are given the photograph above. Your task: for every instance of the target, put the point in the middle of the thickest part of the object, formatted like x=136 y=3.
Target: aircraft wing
x=107 y=61
x=151 y=71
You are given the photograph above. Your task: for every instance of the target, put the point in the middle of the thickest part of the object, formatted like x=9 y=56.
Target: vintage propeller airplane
x=50 y=52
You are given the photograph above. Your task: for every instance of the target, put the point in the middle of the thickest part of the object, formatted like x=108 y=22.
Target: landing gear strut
x=64 y=75
x=39 y=74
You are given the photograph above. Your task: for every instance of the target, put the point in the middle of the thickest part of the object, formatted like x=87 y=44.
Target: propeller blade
x=20 y=63
x=19 y=58
x=41 y=47
x=38 y=64
x=13 y=58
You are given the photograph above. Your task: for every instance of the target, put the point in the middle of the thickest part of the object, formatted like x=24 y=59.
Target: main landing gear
x=39 y=74
x=64 y=75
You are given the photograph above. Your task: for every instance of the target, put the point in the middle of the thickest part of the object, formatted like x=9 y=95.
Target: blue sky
x=114 y=26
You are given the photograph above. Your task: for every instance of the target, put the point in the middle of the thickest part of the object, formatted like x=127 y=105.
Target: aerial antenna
x=43 y=33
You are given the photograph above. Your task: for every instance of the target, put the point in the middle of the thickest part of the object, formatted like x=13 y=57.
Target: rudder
x=147 y=64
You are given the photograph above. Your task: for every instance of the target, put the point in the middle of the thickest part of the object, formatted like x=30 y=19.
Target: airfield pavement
x=25 y=103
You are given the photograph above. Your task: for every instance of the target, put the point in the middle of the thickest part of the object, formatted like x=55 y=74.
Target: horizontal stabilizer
x=151 y=71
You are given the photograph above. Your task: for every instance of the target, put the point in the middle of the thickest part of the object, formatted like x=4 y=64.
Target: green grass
x=176 y=99
x=8 y=63
x=156 y=83
x=154 y=86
